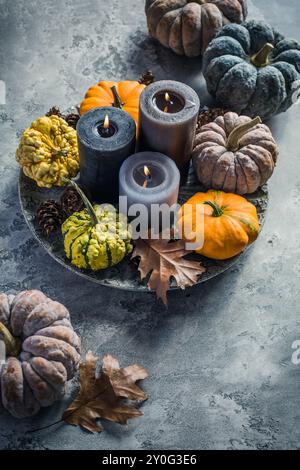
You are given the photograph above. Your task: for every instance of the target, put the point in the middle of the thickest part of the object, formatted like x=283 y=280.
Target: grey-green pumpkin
x=252 y=69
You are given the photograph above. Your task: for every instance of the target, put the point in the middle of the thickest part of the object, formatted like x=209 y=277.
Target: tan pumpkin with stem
x=235 y=154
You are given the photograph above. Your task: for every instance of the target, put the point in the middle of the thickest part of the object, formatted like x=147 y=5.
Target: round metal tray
x=125 y=275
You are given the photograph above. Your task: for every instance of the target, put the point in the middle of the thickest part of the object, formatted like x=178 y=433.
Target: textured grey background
x=220 y=357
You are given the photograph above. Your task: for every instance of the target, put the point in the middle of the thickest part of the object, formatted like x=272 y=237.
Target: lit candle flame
x=147 y=174
x=146 y=171
x=106 y=122
x=167 y=99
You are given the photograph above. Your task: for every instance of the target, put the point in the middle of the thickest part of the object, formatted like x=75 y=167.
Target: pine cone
x=71 y=201
x=54 y=111
x=72 y=119
x=50 y=216
x=208 y=115
x=147 y=78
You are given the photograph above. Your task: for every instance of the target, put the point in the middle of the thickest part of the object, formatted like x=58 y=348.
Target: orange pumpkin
x=126 y=95
x=229 y=223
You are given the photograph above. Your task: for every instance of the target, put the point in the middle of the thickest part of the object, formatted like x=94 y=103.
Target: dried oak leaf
x=123 y=380
x=163 y=260
x=101 y=396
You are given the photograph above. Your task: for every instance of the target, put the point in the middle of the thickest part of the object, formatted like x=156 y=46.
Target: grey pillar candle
x=151 y=179
x=168 y=120
x=102 y=150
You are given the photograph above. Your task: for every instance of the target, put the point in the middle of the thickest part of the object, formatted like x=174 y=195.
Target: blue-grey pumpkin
x=252 y=69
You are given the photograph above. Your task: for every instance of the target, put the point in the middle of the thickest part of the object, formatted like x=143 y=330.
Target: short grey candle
x=168 y=120
x=149 y=178
x=106 y=137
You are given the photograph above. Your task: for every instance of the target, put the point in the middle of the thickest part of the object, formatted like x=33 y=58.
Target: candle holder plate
x=125 y=275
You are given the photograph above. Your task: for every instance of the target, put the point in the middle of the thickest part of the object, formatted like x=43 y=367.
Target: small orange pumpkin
x=125 y=95
x=230 y=223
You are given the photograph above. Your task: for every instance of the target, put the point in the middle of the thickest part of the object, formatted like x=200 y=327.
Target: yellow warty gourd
x=48 y=152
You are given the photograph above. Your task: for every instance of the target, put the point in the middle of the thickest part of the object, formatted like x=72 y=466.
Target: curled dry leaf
x=163 y=260
x=101 y=396
x=124 y=380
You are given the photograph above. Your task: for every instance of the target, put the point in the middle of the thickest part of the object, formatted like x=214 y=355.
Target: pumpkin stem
x=235 y=136
x=117 y=100
x=217 y=211
x=88 y=205
x=261 y=58
x=12 y=344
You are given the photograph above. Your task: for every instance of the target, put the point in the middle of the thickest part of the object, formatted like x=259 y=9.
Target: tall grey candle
x=106 y=137
x=168 y=120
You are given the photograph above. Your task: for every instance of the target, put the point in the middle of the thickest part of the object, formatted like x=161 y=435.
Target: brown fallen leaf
x=101 y=397
x=123 y=380
x=164 y=259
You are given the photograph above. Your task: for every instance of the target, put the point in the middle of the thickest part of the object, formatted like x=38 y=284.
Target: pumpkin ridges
x=212 y=21
x=165 y=25
x=125 y=93
x=44 y=315
x=231 y=178
x=251 y=172
x=209 y=133
x=43 y=392
x=209 y=159
x=249 y=226
x=213 y=127
x=217 y=126
x=241 y=185
x=13 y=390
x=175 y=38
x=192 y=29
x=21 y=307
x=91 y=103
x=158 y=9
x=97 y=92
x=106 y=86
x=231 y=9
x=132 y=99
x=54 y=350
x=61 y=332
x=263 y=160
x=54 y=373
x=221 y=169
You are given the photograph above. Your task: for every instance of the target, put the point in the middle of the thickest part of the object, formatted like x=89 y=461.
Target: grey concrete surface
x=220 y=357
